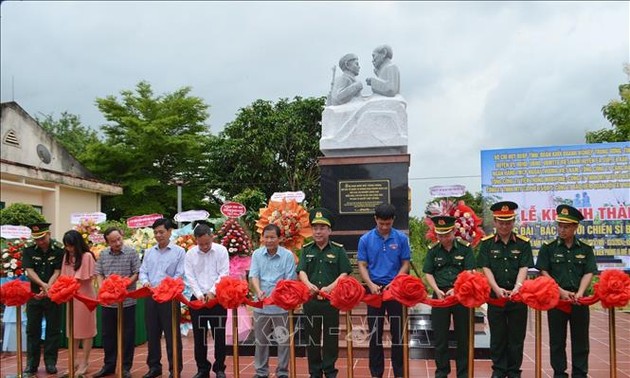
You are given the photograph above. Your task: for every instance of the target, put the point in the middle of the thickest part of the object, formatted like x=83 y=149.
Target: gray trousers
x=268 y=328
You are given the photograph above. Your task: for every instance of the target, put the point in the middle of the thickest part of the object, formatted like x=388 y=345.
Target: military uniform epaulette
x=550 y=242
x=463 y=242
x=523 y=238
x=336 y=244
x=57 y=244
x=433 y=245
x=487 y=237
x=308 y=244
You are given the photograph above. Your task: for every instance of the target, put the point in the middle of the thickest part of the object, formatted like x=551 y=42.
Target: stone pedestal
x=352 y=186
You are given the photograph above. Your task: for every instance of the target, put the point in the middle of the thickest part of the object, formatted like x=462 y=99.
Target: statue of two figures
x=354 y=124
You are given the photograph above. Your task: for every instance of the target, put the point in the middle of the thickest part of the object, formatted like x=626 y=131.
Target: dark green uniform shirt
x=445 y=265
x=505 y=260
x=566 y=265
x=323 y=266
x=44 y=263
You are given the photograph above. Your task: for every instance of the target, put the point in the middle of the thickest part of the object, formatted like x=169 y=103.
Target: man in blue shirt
x=383 y=254
x=162 y=260
x=270 y=264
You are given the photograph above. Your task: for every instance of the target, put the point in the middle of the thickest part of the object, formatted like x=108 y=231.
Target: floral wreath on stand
x=239 y=245
x=87 y=227
x=12 y=258
x=467 y=223
x=291 y=218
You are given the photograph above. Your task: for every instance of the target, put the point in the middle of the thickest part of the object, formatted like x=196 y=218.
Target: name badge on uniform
x=515 y=251
x=459 y=257
x=495 y=252
x=558 y=255
x=310 y=255
x=36 y=258
x=330 y=256
x=51 y=258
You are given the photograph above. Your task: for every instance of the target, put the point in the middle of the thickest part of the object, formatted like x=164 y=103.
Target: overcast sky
x=476 y=75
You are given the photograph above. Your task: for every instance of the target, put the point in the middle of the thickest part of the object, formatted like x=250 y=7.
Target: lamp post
x=179 y=182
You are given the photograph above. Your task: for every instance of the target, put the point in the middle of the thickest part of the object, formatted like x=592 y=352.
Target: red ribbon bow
x=406 y=289
x=113 y=289
x=471 y=289
x=288 y=294
x=15 y=293
x=613 y=288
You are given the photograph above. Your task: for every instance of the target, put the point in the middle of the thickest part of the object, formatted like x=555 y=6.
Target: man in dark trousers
x=383 y=254
x=122 y=260
x=445 y=260
x=322 y=263
x=505 y=258
x=165 y=259
x=42 y=262
x=571 y=263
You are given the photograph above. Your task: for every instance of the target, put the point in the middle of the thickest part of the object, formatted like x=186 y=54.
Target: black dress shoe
x=30 y=370
x=202 y=374
x=220 y=374
x=103 y=373
x=152 y=374
x=51 y=369
x=126 y=374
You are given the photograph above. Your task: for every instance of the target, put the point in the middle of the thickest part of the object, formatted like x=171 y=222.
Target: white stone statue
x=346 y=87
x=387 y=80
x=365 y=125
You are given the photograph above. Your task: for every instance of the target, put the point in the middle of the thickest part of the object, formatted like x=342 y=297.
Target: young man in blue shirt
x=383 y=254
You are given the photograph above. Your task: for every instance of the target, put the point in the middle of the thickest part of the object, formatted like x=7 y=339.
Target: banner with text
x=594 y=178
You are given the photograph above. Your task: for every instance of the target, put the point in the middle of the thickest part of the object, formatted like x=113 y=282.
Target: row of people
x=383 y=253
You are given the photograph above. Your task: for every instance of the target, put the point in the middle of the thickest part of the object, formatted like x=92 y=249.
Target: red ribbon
x=113 y=289
x=232 y=292
x=66 y=288
x=613 y=288
x=15 y=293
x=169 y=289
x=406 y=289
x=347 y=294
x=472 y=289
x=288 y=295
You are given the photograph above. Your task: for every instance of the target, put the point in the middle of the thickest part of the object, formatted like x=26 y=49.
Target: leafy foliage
x=69 y=131
x=271 y=147
x=418 y=243
x=617 y=112
x=150 y=141
x=20 y=214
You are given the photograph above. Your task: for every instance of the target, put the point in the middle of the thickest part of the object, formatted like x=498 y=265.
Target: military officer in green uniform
x=322 y=263
x=42 y=262
x=444 y=261
x=505 y=258
x=571 y=263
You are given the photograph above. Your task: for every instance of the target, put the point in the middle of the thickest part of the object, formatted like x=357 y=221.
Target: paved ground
x=599 y=357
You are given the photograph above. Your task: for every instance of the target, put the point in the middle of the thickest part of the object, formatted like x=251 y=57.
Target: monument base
x=352 y=186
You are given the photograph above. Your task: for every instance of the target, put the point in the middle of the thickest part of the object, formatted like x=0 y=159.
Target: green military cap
x=443 y=224
x=321 y=215
x=504 y=210
x=38 y=230
x=568 y=214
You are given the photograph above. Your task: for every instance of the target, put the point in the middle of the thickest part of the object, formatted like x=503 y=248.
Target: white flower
x=6 y=265
x=5 y=255
x=13 y=265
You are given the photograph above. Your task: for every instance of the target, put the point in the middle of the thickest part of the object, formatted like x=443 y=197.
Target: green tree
x=418 y=243
x=272 y=147
x=149 y=142
x=69 y=131
x=617 y=112
x=20 y=214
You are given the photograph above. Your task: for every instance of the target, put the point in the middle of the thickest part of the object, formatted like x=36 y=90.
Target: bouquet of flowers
x=12 y=258
x=186 y=241
x=141 y=239
x=233 y=237
x=467 y=223
x=291 y=218
x=86 y=228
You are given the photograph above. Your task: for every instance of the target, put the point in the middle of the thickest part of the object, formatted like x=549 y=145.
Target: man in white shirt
x=204 y=266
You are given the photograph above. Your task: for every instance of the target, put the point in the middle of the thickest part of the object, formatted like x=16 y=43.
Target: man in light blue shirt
x=162 y=260
x=271 y=264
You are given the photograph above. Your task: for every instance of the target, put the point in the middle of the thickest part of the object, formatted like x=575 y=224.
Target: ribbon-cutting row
x=471 y=290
